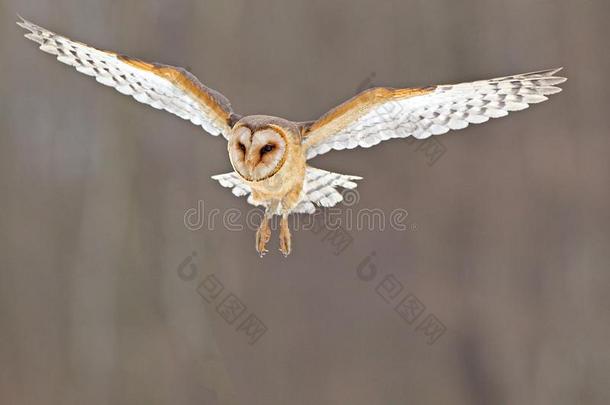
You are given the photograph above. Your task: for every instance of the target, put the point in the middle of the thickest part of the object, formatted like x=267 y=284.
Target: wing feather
x=319 y=188
x=380 y=114
x=160 y=86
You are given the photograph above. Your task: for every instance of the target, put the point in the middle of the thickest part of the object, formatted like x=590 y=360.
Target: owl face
x=257 y=155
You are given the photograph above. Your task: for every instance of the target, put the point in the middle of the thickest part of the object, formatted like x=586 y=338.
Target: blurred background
x=101 y=300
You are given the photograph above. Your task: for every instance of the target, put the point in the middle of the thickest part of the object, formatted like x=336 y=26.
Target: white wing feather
x=319 y=188
x=145 y=86
x=447 y=107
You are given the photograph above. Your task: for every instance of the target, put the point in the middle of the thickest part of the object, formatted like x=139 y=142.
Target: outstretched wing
x=319 y=188
x=161 y=86
x=383 y=113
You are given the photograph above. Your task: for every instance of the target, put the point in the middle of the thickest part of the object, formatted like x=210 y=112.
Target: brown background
x=511 y=250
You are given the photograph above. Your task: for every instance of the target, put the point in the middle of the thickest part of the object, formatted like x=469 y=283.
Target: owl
x=270 y=155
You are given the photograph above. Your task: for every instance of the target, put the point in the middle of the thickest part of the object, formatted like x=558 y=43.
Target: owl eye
x=242 y=147
x=267 y=148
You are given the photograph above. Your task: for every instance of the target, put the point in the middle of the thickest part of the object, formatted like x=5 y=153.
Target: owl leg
x=289 y=201
x=285 y=238
x=263 y=234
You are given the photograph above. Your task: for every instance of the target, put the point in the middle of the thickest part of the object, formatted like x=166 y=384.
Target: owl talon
x=262 y=238
x=285 y=238
x=285 y=246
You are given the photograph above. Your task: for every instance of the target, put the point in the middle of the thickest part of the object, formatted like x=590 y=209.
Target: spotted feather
x=319 y=189
x=380 y=114
x=160 y=86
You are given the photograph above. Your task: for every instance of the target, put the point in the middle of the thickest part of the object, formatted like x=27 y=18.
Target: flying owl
x=269 y=155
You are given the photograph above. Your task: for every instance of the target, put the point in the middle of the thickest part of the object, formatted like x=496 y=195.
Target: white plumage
x=448 y=107
x=319 y=189
x=144 y=86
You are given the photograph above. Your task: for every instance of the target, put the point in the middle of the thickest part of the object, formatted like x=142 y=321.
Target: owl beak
x=251 y=161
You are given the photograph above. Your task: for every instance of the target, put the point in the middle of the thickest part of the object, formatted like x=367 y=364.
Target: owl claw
x=283 y=248
x=262 y=237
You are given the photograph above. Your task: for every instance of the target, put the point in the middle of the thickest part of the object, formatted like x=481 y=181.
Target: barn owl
x=269 y=155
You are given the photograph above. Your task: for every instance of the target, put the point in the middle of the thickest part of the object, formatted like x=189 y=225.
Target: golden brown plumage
x=252 y=145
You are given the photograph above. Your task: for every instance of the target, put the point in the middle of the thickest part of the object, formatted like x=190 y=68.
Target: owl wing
x=163 y=87
x=319 y=188
x=381 y=113
x=232 y=180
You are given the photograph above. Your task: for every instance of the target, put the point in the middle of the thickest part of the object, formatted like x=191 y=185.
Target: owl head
x=257 y=152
